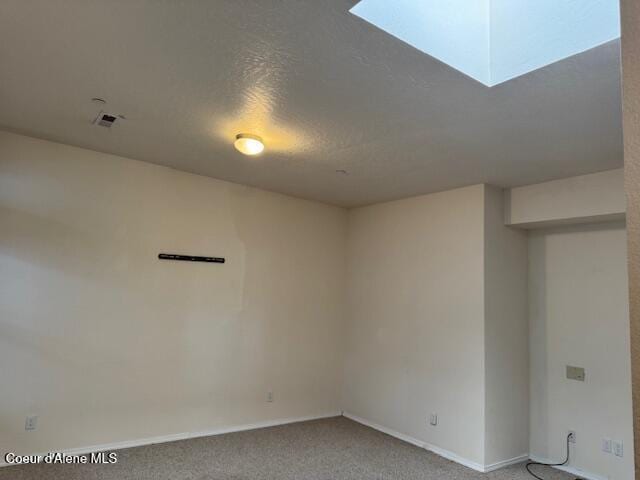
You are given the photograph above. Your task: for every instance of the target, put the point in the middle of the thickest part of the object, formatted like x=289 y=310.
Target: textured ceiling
x=325 y=89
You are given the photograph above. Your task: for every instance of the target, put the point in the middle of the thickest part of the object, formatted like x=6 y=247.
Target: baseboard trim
x=570 y=469
x=183 y=436
x=505 y=463
x=419 y=443
x=388 y=431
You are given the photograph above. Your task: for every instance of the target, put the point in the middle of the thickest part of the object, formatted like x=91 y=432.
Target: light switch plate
x=606 y=445
x=575 y=373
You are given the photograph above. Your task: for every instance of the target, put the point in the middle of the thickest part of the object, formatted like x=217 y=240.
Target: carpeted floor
x=331 y=449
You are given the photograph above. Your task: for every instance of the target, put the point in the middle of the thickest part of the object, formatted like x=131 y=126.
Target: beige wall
x=106 y=343
x=579 y=316
x=630 y=16
x=437 y=323
x=581 y=199
x=506 y=335
x=414 y=338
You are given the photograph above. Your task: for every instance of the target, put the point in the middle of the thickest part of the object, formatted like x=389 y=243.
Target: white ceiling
x=325 y=89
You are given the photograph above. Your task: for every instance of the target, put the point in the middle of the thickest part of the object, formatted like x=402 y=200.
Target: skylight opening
x=494 y=41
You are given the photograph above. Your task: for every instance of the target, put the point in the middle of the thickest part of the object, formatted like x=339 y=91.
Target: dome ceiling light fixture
x=248 y=144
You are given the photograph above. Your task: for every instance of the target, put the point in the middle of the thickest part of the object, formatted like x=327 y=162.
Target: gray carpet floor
x=334 y=448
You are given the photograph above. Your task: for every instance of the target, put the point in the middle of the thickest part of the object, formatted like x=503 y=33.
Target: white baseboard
x=435 y=449
x=454 y=457
x=505 y=463
x=569 y=469
x=183 y=436
x=388 y=431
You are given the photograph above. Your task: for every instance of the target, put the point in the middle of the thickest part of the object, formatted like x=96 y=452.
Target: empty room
x=302 y=239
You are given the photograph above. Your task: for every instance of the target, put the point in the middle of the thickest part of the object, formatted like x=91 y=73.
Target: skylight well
x=494 y=41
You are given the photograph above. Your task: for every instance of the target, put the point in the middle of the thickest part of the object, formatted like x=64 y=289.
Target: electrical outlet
x=269 y=397
x=618 y=450
x=433 y=419
x=572 y=436
x=606 y=445
x=31 y=422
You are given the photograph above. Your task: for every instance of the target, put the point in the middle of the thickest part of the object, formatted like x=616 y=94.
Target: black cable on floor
x=566 y=460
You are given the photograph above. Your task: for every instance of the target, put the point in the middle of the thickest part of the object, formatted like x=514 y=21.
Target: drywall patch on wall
x=109 y=344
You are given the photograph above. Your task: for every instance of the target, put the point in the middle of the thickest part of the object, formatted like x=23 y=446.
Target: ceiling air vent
x=106 y=119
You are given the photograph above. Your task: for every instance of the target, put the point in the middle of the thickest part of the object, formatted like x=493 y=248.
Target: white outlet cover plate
x=618 y=449
x=31 y=422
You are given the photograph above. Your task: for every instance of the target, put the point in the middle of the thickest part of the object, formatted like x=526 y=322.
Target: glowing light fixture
x=248 y=144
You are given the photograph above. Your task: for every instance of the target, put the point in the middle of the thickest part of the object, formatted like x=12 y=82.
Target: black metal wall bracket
x=190 y=258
